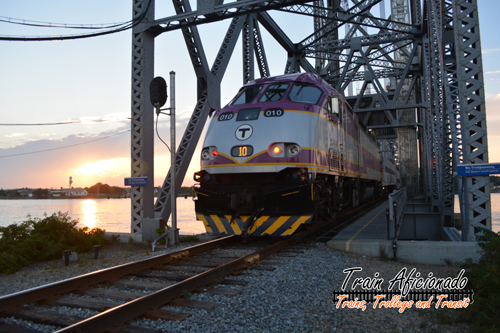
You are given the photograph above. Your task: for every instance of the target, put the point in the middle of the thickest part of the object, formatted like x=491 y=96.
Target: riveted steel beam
x=142 y=161
x=475 y=191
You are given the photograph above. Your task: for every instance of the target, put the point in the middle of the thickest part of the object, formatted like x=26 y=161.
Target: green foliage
x=484 y=280
x=160 y=232
x=186 y=294
x=383 y=254
x=105 y=189
x=113 y=239
x=41 y=193
x=130 y=245
x=495 y=180
x=190 y=238
x=44 y=239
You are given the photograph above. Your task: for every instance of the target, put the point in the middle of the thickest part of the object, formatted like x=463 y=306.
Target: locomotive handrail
x=395 y=212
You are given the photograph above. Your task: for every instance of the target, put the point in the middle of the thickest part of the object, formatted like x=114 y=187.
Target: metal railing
x=395 y=212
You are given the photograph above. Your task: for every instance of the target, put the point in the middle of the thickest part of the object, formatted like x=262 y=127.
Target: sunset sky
x=87 y=82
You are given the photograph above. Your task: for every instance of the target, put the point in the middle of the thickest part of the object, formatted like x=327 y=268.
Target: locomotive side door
x=334 y=139
x=338 y=110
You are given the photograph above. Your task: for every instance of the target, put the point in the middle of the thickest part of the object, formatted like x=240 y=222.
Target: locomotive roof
x=295 y=77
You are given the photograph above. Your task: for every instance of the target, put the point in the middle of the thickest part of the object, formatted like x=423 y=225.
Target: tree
x=105 y=189
x=41 y=193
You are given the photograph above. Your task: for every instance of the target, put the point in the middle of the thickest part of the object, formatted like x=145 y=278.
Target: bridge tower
x=414 y=77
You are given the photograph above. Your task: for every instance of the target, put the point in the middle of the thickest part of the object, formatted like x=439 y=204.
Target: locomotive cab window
x=274 y=92
x=247 y=95
x=305 y=93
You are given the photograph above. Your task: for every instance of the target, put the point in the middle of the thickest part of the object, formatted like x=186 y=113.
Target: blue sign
x=136 y=181
x=482 y=169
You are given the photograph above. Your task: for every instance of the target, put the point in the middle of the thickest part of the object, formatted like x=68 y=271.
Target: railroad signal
x=158 y=92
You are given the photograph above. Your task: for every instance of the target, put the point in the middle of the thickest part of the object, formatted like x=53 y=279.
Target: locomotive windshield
x=247 y=95
x=305 y=93
x=274 y=92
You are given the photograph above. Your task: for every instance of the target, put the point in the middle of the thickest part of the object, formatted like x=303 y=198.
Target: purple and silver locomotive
x=286 y=151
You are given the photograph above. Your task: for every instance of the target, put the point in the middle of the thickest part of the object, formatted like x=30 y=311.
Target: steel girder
x=252 y=44
x=142 y=139
x=436 y=109
x=219 y=13
x=407 y=135
x=208 y=101
x=475 y=191
x=457 y=112
x=248 y=47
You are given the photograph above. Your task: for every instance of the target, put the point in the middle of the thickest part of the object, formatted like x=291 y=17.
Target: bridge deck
x=371 y=226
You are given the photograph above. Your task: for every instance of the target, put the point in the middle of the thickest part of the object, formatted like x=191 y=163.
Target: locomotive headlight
x=293 y=150
x=205 y=154
x=209 y=153
x=283 y=149
x=277 y=150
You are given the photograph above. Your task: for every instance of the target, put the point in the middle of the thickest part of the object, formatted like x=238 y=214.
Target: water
x=113 y=215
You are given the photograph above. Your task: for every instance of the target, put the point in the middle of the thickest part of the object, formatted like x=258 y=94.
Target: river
x=113 y=215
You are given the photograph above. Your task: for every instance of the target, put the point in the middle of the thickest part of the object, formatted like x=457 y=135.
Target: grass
x=383 y=254
x=186 y=294
x=189 y=239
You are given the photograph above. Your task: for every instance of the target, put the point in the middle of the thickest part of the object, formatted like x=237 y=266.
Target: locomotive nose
x=242 y=202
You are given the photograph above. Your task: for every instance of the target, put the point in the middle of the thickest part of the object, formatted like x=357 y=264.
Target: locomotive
x=286 y=151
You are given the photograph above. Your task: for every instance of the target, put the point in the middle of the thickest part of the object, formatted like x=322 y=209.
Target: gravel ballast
x=295 y=297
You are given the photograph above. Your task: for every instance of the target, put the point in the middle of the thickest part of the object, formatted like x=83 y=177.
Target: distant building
x=68 y=192
x=26 y=192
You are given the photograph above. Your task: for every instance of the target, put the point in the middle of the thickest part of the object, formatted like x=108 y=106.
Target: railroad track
x=174 y=275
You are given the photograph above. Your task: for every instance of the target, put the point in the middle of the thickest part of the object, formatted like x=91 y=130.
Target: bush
x=190 y=238
x=484 y=280
x=44 y=239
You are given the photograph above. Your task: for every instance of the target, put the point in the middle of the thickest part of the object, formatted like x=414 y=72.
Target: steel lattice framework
x=414 y=77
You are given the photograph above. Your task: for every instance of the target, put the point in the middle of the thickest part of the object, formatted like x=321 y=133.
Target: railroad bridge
x=411 y=69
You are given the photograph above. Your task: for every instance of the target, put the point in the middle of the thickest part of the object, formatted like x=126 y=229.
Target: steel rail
x=119 y=315
x=12 y=301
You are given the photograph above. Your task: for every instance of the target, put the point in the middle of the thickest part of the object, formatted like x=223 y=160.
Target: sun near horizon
x=114 y=171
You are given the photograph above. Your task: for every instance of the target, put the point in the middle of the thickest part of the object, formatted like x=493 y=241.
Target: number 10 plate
x=241 y=151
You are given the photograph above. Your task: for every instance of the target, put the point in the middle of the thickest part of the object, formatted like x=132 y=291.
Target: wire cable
x=68 y=146
x=41 y=124
x=158 y=134
x=126 y=26
x=61 y=25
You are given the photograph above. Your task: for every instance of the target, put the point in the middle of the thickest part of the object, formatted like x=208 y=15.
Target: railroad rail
x=114 y=316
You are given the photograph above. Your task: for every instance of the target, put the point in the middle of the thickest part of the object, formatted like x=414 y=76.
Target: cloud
x=13 y=135
x=48 y=163
x=117 y=117
x=483 y=51
x=493 y=72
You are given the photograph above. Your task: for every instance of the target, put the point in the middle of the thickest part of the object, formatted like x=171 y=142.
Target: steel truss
x=417 y=75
